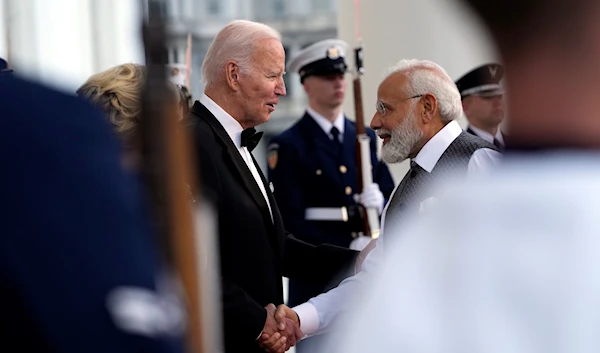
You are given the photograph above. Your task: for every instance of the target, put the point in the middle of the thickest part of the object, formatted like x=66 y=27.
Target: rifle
x=363 y=150
x=168 y=169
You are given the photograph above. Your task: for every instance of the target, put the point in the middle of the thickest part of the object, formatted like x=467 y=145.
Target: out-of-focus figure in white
x=509 y=263
x=505 y=265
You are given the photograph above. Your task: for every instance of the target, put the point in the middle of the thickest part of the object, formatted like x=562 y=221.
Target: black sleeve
x=243 y=317
x=324 y=262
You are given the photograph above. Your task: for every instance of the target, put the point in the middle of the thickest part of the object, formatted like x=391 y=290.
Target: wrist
x=296 y=318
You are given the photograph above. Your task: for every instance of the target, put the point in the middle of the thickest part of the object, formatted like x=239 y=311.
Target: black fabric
x=255 y=251
x=417 y=183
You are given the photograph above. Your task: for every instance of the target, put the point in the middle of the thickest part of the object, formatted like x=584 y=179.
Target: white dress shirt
x=508 y=263
x=234 y=130
x=487 y=136
x=326 y=125
x=317 y=315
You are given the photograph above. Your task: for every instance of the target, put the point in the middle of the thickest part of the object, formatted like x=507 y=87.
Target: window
x=162 y=6
x=279 y=7
x=214 y=7
x=321 y=5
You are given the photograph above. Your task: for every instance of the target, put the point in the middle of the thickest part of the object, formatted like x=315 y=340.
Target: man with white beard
x=417 y=107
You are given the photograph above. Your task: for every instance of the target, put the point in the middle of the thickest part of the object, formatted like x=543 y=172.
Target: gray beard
x=403 y=140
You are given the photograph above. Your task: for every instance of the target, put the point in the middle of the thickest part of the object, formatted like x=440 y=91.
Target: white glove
x=360 y=243
x=372 y=197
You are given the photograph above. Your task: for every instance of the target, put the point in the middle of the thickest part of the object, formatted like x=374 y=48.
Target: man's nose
x=375 y=122
x=280 y=88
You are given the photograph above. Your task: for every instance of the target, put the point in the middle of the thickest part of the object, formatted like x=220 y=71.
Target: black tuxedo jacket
x=255 y=252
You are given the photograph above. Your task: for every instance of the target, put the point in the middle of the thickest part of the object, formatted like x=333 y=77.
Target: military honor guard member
x=313 y=164
x=483 y=102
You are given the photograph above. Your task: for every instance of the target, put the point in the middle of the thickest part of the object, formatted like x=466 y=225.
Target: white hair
x=428 y=77
x=237 y=42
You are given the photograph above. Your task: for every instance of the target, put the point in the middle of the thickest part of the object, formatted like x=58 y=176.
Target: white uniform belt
x=326 y=214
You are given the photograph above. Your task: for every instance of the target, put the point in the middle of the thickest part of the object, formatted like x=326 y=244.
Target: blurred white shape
x=505 y=265
x=63 y=42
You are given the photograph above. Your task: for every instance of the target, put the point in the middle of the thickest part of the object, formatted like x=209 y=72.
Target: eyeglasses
x=381 y=108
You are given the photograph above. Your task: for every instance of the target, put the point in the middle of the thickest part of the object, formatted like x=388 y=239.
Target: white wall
x=437 y=30
x=63 y=42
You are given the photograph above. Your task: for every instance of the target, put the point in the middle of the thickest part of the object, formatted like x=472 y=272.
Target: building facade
x=300 y=22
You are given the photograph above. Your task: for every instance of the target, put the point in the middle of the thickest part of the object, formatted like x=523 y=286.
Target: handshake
x=281 y=331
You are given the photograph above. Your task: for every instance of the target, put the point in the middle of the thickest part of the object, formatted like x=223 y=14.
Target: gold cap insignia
x=333 y=53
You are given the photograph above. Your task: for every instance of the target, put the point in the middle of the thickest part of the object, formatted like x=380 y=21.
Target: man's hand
x=289 y=322
x=372 y=197
x=280 y=333
x=270 y=339
x=284 y=312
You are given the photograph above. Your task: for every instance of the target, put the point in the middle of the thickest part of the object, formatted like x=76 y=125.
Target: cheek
x=266 y=89
x=389 y=123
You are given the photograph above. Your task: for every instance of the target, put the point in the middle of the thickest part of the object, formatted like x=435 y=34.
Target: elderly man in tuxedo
x=243 y=71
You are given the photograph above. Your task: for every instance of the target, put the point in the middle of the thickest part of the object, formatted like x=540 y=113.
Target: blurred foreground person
x=510 y=263
x=79 y=268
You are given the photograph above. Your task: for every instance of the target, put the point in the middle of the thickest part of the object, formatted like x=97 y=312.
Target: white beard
x=403 y=139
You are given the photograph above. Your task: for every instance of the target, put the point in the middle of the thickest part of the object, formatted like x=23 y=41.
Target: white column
x=3 y=29
x=63 y=42
x=436 y=30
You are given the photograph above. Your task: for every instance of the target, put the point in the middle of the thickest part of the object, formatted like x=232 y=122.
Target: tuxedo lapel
x=238 y=163
x=279 y=229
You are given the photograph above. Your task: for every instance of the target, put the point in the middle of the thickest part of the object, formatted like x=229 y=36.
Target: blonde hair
x=237 y=42
x=118 y=92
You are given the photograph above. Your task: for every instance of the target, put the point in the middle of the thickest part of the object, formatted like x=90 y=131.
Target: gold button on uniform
x=319 y=172
x=348 y=190
x=343 y=169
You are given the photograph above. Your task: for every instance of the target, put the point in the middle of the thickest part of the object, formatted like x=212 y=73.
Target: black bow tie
x=251 y=138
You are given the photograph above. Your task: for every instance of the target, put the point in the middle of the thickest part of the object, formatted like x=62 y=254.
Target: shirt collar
x=325 y=124
x=232 y=126
x=431 y=152
x=487 y=136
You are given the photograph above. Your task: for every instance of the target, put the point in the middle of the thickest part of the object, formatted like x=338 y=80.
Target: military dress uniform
x=313 y=171
x=483 y=81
